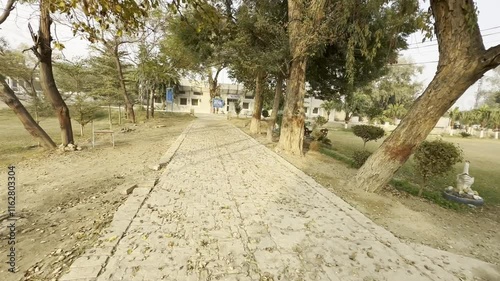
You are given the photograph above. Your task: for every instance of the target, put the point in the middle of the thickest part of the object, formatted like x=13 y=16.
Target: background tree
x=258 y=50
x=342 y=26
x=84 y=110
x=463 y=60
x=329 y=106
x=10 y=99
x=197 y=38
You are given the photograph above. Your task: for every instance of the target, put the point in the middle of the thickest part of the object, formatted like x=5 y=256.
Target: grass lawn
x=484 y=155
x=16 y=144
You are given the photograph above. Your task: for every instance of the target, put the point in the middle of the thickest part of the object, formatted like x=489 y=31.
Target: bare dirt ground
x=474 y=233
x=65 y=199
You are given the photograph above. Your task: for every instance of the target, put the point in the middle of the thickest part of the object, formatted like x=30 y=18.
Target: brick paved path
x=227 y=208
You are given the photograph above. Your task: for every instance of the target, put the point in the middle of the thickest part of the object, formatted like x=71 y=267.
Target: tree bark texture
x=48 y=83
x=10 y=99
x=257 y=106
x=462 y=61
x=301 y=33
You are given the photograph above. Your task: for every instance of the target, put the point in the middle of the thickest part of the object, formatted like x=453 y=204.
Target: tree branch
x=6 y=11
x=491 y=58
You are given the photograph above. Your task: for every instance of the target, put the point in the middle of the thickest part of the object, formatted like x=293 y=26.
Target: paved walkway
x=227 y=208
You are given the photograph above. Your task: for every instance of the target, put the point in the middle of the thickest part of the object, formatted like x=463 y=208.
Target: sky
x=15 y=30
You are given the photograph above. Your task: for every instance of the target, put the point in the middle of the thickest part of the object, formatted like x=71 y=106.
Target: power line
x=435 y=44
x=414 y=63
x=482 y=30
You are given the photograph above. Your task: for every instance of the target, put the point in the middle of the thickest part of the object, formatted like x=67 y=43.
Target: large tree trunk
x=8 y=96
x=276 y=105
x=257 y=106
x=462 y=61
x=44 y=53
x=301 y=32
x=129 y=106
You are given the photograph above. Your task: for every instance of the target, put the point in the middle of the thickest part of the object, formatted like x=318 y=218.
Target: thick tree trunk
x=276 y=105
x=10 y=99
x=292 y=130
x=304 y=21
x=129 y=106
x=48 y=83
x=462 y=61
x=257 y=106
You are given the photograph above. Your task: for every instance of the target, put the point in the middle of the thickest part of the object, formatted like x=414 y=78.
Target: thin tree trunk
x=109 y=117
x=10 y=99
x=148 y=96
x=257 y=107
x=276 y=105
x=153 y=103
x=462 y=61
x=44 y=53
x=119 y=114
x=129 y=106
x=81 y=130
x=213 y=84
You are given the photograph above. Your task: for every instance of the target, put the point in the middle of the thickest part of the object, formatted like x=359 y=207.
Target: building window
x=182 y=92
x=249 y=95
x=195 y=102
x=305 y=109
x=246 y=105
x=315 y=110
x=198 y=93
x=184 y=101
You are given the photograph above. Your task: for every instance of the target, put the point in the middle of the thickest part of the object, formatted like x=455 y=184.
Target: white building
x=196 y=95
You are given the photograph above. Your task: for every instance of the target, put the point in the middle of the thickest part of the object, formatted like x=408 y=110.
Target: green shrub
x=360 y=157
x=368 y=133
x=435 y=158
x=265 y=113
x=320 y=121
x=465 y=134
x=237 y=107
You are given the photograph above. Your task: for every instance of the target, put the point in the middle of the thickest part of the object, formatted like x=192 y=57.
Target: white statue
x=464 y=183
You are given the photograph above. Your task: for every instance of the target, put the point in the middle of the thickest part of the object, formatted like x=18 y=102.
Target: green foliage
x=465 y=134
x=395 y=111
x=359 y=157
x=72 y=76
x=237 y=107
x=319 y=121
x=436 y=158
x=368 y=133
x=431 y=195
x=84 y=111
x=338 y=156
x=124 y=16
x=330 y=106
